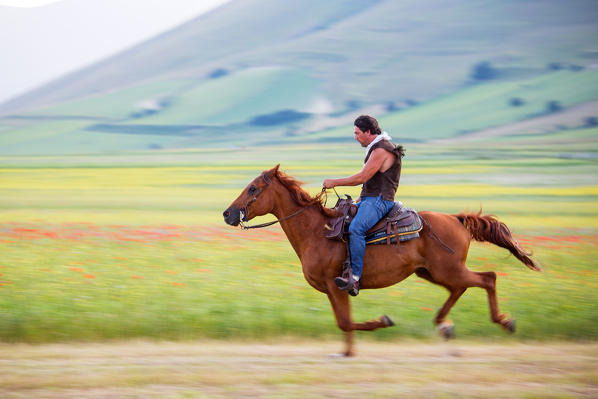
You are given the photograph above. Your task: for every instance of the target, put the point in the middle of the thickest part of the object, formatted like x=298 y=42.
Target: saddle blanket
x=404 y=233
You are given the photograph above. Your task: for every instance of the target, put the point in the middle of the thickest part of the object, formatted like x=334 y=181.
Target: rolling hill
x=263 y=71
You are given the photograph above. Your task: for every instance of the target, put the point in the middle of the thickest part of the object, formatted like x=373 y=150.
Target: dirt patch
x=298 y=370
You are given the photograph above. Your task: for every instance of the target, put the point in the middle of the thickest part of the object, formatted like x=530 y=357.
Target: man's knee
x=356 y=229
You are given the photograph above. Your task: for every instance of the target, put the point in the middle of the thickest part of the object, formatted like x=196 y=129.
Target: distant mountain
x=258 y=71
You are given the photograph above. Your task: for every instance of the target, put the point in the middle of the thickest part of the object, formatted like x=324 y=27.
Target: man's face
x=364 y=138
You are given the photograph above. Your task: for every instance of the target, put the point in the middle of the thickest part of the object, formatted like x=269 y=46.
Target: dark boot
x=348 y=284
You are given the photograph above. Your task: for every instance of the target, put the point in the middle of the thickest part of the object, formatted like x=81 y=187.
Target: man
x=380 y=178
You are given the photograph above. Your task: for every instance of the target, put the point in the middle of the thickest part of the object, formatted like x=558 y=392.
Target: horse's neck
x=302 y=230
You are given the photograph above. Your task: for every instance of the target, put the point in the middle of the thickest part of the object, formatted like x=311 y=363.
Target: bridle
x=243 y=210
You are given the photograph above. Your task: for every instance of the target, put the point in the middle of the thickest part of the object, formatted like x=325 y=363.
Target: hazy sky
x=41 y=40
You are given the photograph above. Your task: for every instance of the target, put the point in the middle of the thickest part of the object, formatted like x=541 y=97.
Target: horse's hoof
x=509 y=325
x=341 y=355
x=387 y=321
x=446 y=329
x=338 y=355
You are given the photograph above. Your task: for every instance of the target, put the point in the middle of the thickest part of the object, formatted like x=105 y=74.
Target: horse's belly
x=388 y=265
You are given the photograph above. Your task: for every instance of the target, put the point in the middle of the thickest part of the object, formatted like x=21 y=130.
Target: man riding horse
x=380 y=178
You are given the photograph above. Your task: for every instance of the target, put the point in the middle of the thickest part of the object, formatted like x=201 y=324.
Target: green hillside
x=262 y=71
x=487 y=105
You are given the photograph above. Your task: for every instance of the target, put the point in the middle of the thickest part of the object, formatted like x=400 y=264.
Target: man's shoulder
x=384 y=144
x=382 y=152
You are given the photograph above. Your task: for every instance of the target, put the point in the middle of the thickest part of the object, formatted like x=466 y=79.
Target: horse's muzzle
x=232 y=216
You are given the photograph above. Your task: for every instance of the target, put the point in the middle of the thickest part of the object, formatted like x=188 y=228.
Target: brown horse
x=303 y=219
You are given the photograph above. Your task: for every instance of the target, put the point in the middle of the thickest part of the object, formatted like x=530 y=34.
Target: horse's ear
x=268 y=175
x=274 y=171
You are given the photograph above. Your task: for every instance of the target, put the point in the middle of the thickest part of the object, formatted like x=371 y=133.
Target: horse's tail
x=490 y=229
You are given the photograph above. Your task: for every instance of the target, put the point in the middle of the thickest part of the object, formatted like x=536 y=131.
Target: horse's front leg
x=342 y=311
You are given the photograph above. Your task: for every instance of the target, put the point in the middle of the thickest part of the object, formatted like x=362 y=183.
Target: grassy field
x=298 y=369
x=124 y=246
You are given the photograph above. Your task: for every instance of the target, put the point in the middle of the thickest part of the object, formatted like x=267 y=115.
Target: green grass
x=101 y=244
x=91 y=282
x=134 y=246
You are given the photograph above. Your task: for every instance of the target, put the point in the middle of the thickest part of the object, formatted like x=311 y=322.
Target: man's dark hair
x=366 y=122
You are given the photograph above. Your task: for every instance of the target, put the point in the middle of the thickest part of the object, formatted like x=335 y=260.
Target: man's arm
x=374 y=163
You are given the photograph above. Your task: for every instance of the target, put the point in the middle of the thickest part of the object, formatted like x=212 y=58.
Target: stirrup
x=349 y=285
x=355 y=290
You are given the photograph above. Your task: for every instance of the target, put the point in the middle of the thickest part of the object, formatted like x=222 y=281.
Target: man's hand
x=373 y=165
x=329 y=183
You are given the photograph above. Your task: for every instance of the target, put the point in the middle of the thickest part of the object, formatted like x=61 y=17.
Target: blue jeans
x=370 y=210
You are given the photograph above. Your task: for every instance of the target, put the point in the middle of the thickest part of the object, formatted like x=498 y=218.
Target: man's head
x=366 y=122
x=366 y=129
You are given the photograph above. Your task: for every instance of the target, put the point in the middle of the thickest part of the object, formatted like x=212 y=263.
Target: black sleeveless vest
x=384 y=183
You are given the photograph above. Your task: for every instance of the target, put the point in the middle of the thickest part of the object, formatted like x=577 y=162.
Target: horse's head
x=253 y=201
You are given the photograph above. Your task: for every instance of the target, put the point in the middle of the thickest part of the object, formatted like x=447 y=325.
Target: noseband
x=251 y=201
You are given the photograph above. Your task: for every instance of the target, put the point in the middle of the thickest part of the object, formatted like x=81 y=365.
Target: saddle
x=399 y=224
x=338 y=228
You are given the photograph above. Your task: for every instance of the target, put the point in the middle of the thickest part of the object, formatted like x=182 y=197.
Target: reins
x=258 y=226
x=435 y=237
x=324 y=193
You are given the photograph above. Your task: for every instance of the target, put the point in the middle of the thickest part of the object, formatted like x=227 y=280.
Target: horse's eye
x=252 y=189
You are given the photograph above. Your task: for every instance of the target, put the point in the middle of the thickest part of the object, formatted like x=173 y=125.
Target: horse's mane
x=302 y=197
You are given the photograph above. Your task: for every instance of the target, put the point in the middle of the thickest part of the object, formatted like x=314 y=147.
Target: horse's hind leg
x=446 y=328
x=487 y=280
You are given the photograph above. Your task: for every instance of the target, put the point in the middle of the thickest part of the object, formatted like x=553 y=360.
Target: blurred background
x=127 y=128
x=254 y=73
